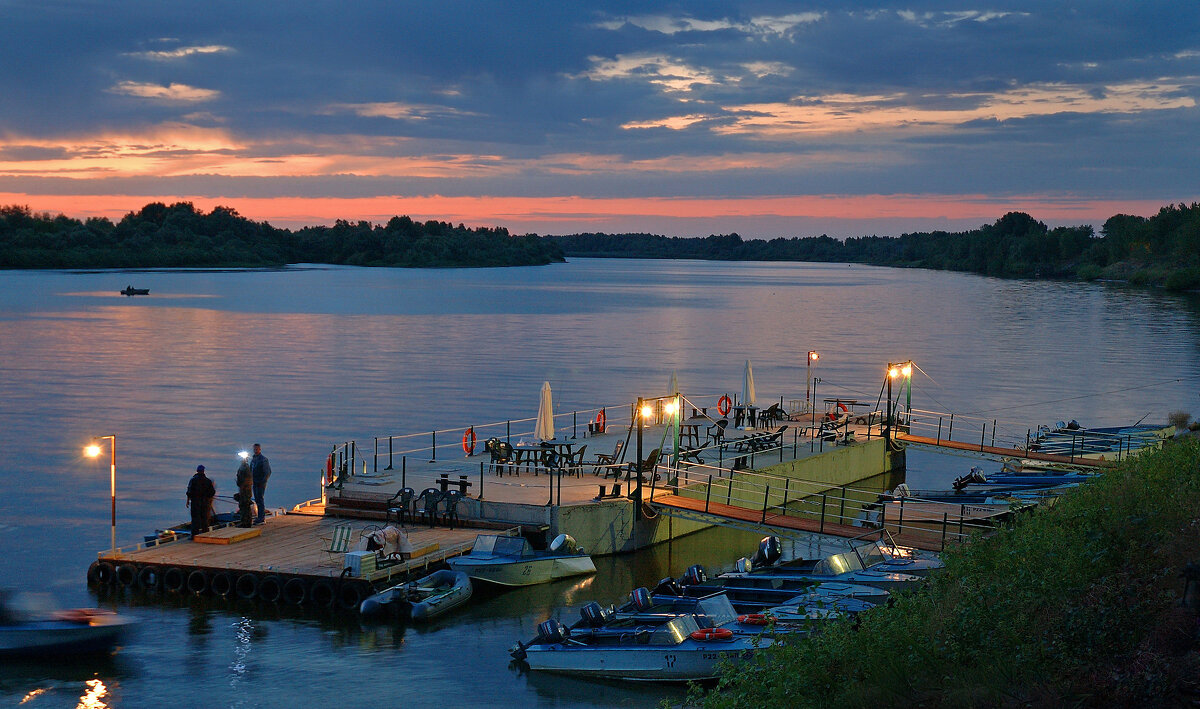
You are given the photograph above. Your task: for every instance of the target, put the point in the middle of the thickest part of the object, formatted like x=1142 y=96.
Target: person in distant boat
x=245 y=485
x=200 y=494
x=260 y=471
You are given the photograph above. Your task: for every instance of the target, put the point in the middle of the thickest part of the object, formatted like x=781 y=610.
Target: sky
x=763 y=118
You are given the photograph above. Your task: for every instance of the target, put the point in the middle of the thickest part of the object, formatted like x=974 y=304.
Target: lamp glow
x=243 y=454
x=670 y=407
x=647 y=411
x=907 y=370
x=894 y=372
x=812 y=355
x=92 y=451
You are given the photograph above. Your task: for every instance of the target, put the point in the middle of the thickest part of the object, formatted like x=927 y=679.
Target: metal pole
x=994 y=432
x=822 y=512
x=434 y=446
x=945 y=519
x=353 y=456
x=982 y=435
x=403 y=471
x=508 y=432
x=842 y=507
x=766 y=499
x=939 y=433
x=787 y=483
x=707 y=493
x=900 y=523
x=637 y=495
x=112 y=486
x=481 y=480
x=389 y=454
x=950 y=432
x=375 y=465
x=574 y=422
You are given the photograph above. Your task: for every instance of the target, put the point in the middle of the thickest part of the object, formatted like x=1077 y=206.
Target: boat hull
x=414 y=601
x=100 y=634
x=522 y=572
x=693 y=660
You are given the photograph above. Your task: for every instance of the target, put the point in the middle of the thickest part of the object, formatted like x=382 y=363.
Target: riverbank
x=1077 y=605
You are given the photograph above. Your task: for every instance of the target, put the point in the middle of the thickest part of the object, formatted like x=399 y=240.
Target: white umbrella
x=544 y=430
x=748 y=396
x=673 y=385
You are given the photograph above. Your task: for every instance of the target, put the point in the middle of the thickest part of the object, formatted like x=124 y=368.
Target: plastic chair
x=575 y=461
x=502 y=458
x=607 y=462
x=716 y=432
x=647 y=466
x=400 y=505
x=450 y=507
x=427 y=504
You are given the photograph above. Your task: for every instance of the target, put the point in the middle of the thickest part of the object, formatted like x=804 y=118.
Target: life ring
x=724 y=405
x=707 y=634
x=469 y=441
x=833 y=415
x=329 y=470
x=601 y=420
x=754 y=619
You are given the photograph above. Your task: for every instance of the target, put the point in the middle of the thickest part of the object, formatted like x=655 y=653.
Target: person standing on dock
x=200 y=494
x=260 y=471
x=245 y=485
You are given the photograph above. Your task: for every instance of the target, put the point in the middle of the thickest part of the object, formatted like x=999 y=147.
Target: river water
x=212 y=361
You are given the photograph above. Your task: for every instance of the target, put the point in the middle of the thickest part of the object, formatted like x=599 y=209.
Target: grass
x=1078 y=605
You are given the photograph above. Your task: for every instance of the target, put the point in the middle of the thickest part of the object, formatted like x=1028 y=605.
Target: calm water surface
x=213 y=361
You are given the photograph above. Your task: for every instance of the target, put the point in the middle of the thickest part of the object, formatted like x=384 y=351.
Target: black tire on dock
x=322 y=593
x=221 y=583
x=173 y=579
x=126 y=574
x=149 y=578
x=295 y=591
x=270 y=588
x=352 y=594
x=100 y=573
x=197 y=582
x=246 y=586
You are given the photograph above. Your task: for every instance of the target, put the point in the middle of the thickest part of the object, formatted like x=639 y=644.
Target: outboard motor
x=1060 y=426
x=668 y=586
x=640 y=598
x=552 y=631
x=695 y=575
x=564 y=544
x=594 y=615
x=743 y=565
x=769 y=551
x=977 y=475
x=960 y=483
x=1073 y=425
x=902 y=491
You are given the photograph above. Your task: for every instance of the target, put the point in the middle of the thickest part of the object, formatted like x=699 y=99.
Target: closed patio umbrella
x=748 y=396
x=544 y=429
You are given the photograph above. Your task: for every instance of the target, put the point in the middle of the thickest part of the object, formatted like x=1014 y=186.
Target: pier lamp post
x=92 y=451
x=895 y=371
x=812 y=358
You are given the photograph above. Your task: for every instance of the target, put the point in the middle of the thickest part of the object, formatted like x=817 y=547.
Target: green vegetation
x=1079 y=604
x=179 y=235
x=1163 y=250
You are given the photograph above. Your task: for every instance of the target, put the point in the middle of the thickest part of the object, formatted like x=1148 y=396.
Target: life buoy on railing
x=328 y=477
x=469 y=441
x=754 y=619
x=706 y=634
x=834 y=415
x=601 y=420
x=724 y=405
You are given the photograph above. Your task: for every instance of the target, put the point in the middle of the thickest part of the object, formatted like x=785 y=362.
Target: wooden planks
x=229 y=535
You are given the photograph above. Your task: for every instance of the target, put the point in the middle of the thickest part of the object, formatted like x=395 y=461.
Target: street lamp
x=92 y=451
x=895 y=371
x=812 y=357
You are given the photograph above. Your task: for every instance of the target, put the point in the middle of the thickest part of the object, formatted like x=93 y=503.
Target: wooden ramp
x=1003 y=452
x=918 y=538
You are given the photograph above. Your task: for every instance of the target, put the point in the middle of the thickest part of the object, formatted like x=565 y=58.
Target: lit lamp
x=812 y=357
x=895 y=371
x=93 y=451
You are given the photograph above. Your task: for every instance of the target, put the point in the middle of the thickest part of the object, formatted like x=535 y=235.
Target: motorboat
x=130 y=290
x=420 y=600
x=755 y=592
x=512 y=560
x=797 y=615
x=846 y=567
x=888 y=557
x=676 y=649
x=30 y=628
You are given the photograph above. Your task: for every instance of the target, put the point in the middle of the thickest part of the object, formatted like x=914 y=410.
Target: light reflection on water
x=214 y=361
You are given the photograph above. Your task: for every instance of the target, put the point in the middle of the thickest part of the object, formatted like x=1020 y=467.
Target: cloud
x=948 y=18
x=759 y=26
x=170 y=92
x=182 y=52
x=396 y=110
x=670 y=74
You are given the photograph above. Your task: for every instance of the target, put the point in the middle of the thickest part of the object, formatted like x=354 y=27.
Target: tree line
x=179 y=235
x=1160 y=250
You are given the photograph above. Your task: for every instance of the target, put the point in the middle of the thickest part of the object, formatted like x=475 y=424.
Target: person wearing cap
x=200 y=494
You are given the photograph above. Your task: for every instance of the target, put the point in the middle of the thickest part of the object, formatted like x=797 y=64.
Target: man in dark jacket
x=200 y=494
x=245 y=486
x=260 y=471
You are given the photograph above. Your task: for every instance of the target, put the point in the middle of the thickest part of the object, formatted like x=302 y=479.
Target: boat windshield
x=674 y=631
x=717 y=609
x=870 y=554
x=838 y=564
x=510 y=546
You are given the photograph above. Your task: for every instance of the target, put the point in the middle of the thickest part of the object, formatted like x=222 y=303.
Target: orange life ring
x=833 y=416
x=754 y=619
x=469 y=441
x=329 y=470
x=706 y=634
x=724 y=405
x=601 y=420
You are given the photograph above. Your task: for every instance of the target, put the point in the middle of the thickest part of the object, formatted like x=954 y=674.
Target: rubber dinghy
x=512 y=561
x=420 y=600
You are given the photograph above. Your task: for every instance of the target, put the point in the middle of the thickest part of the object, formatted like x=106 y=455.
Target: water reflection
x=93 y=698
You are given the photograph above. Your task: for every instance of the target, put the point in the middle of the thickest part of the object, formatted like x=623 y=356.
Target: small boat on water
x=420 y=600
x=842 y=568
x=130 y=290
x=754 y=593
x=673 y=649
x=29 y=628
x=512 y=561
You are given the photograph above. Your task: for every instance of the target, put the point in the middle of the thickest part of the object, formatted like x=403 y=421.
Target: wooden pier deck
x=289 y=551
x=1077 y=461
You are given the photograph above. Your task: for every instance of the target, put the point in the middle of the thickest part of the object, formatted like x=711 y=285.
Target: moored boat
x=420 y=600
x=130 y=290
x=512 y=561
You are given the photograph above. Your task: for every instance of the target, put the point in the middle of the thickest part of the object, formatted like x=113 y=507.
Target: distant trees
x=159 y=235
x=1163 y=250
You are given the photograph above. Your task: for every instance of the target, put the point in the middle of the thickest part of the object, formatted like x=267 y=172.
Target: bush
x=1183 y=279
x=1088 y=272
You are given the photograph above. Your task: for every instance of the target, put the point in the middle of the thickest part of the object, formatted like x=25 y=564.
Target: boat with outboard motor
x=846 y=567
x=31 y=628
x=673 y=649
x=754 y=593
x=420 y=600
x=512 y=560
x=647 y=607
